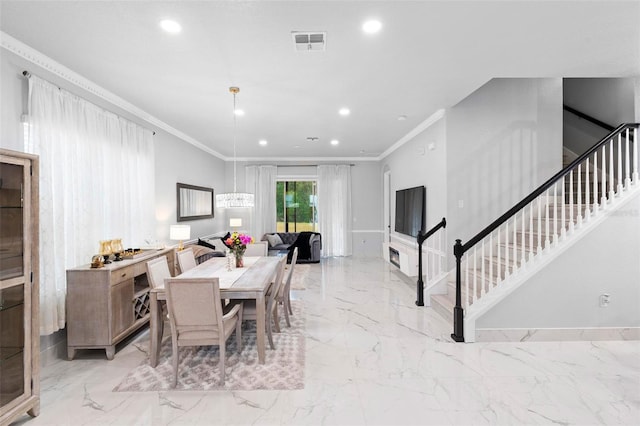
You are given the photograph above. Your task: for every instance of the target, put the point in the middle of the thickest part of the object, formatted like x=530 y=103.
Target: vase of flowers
x=237 y=243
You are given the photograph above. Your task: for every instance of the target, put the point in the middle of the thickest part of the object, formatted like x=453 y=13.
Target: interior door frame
x=386 y=207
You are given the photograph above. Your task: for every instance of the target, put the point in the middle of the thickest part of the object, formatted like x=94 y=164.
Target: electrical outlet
x=604 y=300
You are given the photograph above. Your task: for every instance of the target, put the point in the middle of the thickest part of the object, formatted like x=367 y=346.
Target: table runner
x=227 y=278
x=217 y=267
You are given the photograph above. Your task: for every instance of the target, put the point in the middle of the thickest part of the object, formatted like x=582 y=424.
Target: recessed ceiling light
x=402 y=117
x=372 y=26
x=335 y=142
x=239 y=112
x=170 y=26
x=344 y=111
x=262 y=142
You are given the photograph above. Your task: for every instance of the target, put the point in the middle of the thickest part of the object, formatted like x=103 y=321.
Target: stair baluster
x=579 y=221
x=627 y=175
x=635 y=156
x=603 y=201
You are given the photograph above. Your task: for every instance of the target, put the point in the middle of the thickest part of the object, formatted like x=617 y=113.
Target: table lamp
x=180 y=233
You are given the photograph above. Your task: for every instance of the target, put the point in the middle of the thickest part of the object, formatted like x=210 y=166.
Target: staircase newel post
x=458 y=317
x=420 y=284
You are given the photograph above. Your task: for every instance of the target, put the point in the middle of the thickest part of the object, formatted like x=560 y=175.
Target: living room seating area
x=309 y=244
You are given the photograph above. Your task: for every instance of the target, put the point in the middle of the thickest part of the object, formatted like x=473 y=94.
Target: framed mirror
x=194 y=202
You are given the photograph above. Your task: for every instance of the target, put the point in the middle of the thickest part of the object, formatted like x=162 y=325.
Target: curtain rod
x=27 y=74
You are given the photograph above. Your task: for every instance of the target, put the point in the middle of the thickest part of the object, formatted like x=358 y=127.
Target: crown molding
x=315 y=160
x=433 y=118
x=32 y=55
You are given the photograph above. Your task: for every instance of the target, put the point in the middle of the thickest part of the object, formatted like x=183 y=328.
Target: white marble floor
x=373 y=357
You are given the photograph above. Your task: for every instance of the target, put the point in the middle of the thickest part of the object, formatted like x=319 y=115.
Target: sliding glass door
x=296 y=206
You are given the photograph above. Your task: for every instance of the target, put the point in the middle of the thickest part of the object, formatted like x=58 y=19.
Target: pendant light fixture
x=234 y=199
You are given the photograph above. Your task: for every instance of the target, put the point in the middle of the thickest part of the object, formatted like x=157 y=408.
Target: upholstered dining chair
x=249 y=312
x=186 y=260
x=259 y=248
x=284 y=295
x=198 y=318
x=157 y=272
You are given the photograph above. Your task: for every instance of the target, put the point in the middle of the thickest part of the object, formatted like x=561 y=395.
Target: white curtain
x=334 y=209
x=96 y=183
x=261 y=180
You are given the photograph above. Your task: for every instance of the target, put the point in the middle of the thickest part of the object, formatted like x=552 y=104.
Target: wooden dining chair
x=271 y=309
x=284 y=295
x=186 y=260
x=198 y=318
x=157 y=272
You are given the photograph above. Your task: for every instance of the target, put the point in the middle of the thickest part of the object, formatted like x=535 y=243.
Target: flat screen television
x=410 y=210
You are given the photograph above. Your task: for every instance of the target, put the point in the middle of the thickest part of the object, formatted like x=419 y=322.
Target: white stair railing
x=546 y=217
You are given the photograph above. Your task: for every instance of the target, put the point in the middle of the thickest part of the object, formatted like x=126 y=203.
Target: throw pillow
x=206 y=244
x=274 y=240
x=217 y=244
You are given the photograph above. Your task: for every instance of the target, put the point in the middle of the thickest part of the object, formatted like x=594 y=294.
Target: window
x=296 y=206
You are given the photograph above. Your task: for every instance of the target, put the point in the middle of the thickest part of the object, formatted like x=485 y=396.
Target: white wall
x=181 y=162
x=13 y=100
x=566 y=293
x=366 y=208
x=610 y=100
x=503 y=141
x=420 y=161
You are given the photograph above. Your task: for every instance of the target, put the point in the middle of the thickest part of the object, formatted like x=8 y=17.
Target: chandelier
x=234 y=199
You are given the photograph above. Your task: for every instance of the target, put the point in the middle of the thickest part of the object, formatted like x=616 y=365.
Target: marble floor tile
x=372 y=358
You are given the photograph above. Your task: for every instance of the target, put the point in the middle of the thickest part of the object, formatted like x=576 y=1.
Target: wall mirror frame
x=194 y=202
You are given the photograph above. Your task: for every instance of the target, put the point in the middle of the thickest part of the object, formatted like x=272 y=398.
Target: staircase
x=554 y=213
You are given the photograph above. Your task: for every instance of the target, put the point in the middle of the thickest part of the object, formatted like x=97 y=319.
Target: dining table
x=250 y=282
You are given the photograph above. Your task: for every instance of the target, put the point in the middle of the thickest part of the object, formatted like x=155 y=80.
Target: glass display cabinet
x=19 y=295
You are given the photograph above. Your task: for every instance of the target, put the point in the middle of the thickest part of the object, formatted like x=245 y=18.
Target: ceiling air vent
x=309 y=41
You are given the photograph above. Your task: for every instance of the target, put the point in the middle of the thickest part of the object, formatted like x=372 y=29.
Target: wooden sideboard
x=105 y=305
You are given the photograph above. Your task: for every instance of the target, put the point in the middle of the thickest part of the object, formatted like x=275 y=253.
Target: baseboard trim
x=54 y=353
x=557 y=334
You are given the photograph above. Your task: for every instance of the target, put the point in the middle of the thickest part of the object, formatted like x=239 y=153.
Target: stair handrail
x=421 y=238
x=486 y=231
x=589 y=118
x=460 y=249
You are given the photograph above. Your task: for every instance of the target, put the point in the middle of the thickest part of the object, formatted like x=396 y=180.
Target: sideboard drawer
x=123 y=274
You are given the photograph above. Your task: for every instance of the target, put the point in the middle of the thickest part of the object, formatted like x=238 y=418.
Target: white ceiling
x=429 y=55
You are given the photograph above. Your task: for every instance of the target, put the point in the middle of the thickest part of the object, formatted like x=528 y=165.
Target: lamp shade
x=179 y=232
x=235 y=222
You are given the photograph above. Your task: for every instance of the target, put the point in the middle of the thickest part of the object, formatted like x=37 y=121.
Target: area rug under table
x=299 y=276
x=198 y=368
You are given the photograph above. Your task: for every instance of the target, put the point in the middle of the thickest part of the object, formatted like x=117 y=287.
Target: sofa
x=309 y=244
x=204 y=248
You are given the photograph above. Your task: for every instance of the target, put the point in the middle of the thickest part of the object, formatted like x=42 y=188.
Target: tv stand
x=404 y=255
